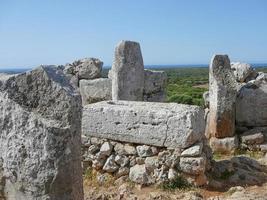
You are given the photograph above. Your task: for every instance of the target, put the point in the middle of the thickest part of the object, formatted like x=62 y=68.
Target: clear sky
x=34 y=32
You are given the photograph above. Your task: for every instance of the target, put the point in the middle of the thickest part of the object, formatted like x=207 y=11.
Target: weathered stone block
x=243 y=72
x=222 y=95
x=40 y=139
x=128 y=72
x=251 y=105
x=96 y=90
x=158 y=124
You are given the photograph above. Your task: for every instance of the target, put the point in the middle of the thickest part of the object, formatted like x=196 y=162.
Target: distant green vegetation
x=187 y=85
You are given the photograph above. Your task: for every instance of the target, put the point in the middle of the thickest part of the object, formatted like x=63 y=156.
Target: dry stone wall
x=40 y=137
x=145 y=142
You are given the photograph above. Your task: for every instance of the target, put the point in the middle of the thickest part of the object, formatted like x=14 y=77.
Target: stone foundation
x=146 y=164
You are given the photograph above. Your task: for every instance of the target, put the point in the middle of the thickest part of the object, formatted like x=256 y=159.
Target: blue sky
x=34 y=32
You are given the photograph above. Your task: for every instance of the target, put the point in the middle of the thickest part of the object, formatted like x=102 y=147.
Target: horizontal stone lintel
x=160 y=124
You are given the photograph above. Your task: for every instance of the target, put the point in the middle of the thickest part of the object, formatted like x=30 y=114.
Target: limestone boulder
x=251 y=104
x=243 y=72
x=138 y=174
x=40 y=136
x=156 y=124
x=87 y=68
x=192 y=165
x=96 y=90
x=128 y=72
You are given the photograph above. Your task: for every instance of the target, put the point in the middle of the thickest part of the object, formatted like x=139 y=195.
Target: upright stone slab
x=222 y=94
x=128 y=72
x=40 y=137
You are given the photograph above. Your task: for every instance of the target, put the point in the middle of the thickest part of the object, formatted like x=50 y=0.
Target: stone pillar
x=128 y=72
x=222 y=94
x=40 y=137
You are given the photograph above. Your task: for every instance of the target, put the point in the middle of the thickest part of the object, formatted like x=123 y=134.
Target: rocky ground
x=233 y=178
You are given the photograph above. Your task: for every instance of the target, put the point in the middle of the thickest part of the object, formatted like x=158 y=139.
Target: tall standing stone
x=128 y=72
x=222 y=94
x=40 y=137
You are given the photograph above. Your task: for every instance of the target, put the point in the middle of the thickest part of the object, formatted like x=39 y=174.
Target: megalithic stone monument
x=128 y=72
x=222 y=93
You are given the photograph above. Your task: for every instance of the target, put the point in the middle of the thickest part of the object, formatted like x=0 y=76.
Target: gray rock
x=122 y=160
x=195 y=150
x=129 y=150
x=251 y=105
x=171 y=125
x=88 y=68
x=119 y=149
x=243 y=71
x=172 y=174
x=253 y=136
x=227 y=145
x=151 y=163
x=222 y=94
x=106 y=148
x=93 y=149
x=193 y=165
x=40 y=137
x=144 y=151
x=128 y=72
x=154 y=86
x=138 y=174
x=110 y=165
x=95 y=90
x=122 y=171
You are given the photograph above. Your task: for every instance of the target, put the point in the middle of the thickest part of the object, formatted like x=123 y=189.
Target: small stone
x=154 y=150
x=263 y=147
x=110 y=165
x=122 y=160
x=193 y=151
x=151 y=163
x=140 y=161
x=191 y=165
x=122 y=171
x=96 y=141
x=106 y=148
x=93 y=149
x=129 y=150
x=85 y=139
x=138 y=174
x=144 y=151
x=88 y=68
x=224 y=145
x=119 y=149
x=172 y=174
x=253 y=136
x=98 y=164
x=132 y=162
